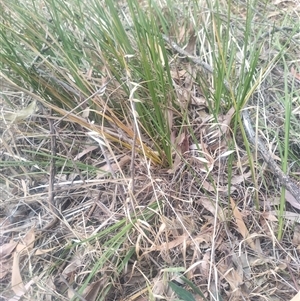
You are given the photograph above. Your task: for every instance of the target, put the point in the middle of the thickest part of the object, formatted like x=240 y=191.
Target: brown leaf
x=70 y=268
x=86 y=151
x=232 y=276
x=43 y=251
x=7 y=249
x=170 y=244
x=296 y=297
x=290 y=198
x=92 y=291
x=190 y=47
x=296 y=236
x=205 y=264
x=213 y=208
x=241 y=225
x=16 y=279
x=5 y=268
x=294 y=73
x=29 y=239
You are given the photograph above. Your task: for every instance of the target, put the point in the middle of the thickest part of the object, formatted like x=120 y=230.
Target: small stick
x=51 y=193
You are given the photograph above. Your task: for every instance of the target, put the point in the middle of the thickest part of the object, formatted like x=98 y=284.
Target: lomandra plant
x=67 y=55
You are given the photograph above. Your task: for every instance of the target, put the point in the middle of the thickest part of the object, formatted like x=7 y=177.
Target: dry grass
x=89 y=220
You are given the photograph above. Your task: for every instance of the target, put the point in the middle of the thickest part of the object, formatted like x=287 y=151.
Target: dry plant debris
x=103 y=220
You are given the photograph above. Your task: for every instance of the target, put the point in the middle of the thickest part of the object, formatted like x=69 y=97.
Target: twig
x=51 y=193
x=284 y=179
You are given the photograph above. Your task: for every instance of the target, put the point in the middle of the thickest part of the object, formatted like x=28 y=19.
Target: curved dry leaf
x=227 y=153
x=70 y=268
x=213 y=208
x=296 y=237
x=296 y=297
x=291 y=199
x=29 y=238
x=241 y=225
x=16 y=279
x=43 y=251
x=28 y=242
x=170 y=244
x=91 y=292
x=5 y=268
x=205 y=264
x=22 y=114
x=7 y=249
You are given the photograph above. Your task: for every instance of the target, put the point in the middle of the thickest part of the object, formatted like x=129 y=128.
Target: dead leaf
x=70 y=268
x=85 y=151
x=22 y=114
x=214 y=208
x=295 y=73
x=296 y=297
x=205 y=264
x=296 y=236
x=269 y=216
x=43 y=251
x=91 y=293
x=5 y=268
x=290 y=198
x=29 y=238
x=241 y=225
x=170 y=244
x=7 y=249
x=232 y=276
x=112 y=167
x=16 y=279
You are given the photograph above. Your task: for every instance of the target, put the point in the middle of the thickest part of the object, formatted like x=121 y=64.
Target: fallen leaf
x=291 y=216
x=269 y=216
x=5 y=268
x=241 y=225
x=170 y=244
x=290 y=198
x=205 y=264
x=296 y=236
x=43 y=251
x=7 y=249
x=29 y=238
x=295 y=73
x=85 y=151
x=296 y=297
x=214 y=208
x=16 y=279
x=22 y=114
x=91 y=293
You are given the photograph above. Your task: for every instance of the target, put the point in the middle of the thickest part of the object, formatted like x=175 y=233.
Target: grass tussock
x=127 y=170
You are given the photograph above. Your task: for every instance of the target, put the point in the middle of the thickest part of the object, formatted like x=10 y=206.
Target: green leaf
x=193 y=286
x=181 y=292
